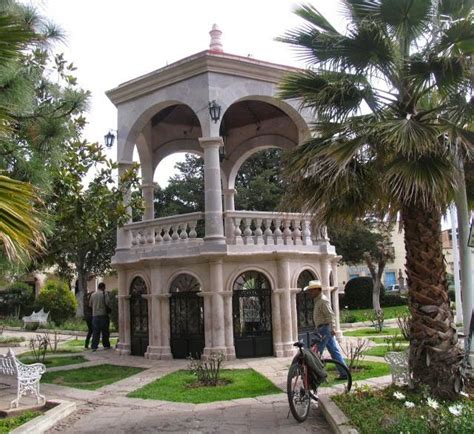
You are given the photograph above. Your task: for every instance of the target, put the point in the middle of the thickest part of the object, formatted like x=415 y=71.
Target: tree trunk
x=435 y=358
x=82 y=278
x=376 y=295
x=376 y=281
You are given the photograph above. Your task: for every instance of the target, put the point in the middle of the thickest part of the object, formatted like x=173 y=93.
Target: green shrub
x=114 y=306
x=16 y=298
x=452 y=295
x=394 y=300
x=358 y=293
x=56 y=298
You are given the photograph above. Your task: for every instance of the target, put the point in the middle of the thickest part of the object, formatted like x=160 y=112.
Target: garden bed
x=395 y=410
x=178 y=387
x=372 y=332
x=381 y=350
x=9 y=423
x=54 y=362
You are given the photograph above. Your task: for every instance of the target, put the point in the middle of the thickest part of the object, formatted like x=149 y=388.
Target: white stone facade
x=165 y=112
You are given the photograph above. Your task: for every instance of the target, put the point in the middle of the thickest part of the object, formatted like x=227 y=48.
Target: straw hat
x=313 y=284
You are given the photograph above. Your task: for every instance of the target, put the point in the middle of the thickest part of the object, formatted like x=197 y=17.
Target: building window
x=390 y=278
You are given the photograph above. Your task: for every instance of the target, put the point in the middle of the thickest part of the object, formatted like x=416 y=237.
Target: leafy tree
x=86 y=218
x=57 y=299
x=390 y=107
x=17 y=296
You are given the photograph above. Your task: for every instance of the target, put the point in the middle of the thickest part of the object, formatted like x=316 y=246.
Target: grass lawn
x=371 y=332
x=381 y=350
x=379 y=411
x=90 y=378
x=399 y=338
x=365 y=370
x=243 y=383
x=79 y=343
x=53 y=362
x=59 y=350
x=5 y=340
x=358 y=315
x=10 y=423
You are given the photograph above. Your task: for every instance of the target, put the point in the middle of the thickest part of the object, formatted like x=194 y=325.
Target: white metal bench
x=28 y=377
x=399 y=367
x=40 y=317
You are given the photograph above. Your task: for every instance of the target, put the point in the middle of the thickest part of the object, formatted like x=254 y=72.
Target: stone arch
x=233 y=276
x=304 y=305
x=299 y=270
x=142 y=276
x=176 y=273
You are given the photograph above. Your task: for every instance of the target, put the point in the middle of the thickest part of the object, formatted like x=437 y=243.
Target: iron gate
x=252 y=315
x=304 y=307
x=186 y=318
x=138 y=317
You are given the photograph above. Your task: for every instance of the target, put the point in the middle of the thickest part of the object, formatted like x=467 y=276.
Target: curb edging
x=337 y=420
x=42 y=423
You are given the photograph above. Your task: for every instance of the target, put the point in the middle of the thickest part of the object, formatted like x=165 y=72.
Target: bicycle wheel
x=298 y=397
x=334 y=370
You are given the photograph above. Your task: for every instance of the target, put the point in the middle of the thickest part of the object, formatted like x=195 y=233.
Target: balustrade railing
x=165 y=230
x=272 y=228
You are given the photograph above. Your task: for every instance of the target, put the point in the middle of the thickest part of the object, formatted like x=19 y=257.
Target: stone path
x=108 y=410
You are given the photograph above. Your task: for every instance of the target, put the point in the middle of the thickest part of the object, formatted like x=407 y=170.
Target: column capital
x=211 y=142
x=229 y=191
x=147 y=185
x=125 y=163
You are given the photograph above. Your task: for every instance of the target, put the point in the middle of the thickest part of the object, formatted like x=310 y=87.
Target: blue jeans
x=100 y=325
x=330 y=342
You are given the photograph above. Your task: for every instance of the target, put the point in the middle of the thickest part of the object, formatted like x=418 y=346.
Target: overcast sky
x=112 y=41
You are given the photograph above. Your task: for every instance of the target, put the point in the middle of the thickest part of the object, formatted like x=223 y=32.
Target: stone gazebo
x=236 y=288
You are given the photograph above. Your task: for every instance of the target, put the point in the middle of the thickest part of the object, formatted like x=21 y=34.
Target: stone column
x=294 y=314
x=124 y=240
x=207 y=323
x=154 y=320
x=212 y=189
x=229 y=325
x=336 y=299
x=165 y=349
x=123 y=346
x=148 y=194
x=276 y=324
x=325 y=268
x=283 y=274
x=217 y=285
x=229 y=205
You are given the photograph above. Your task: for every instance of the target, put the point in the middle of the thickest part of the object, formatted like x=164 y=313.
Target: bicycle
x=301 y=389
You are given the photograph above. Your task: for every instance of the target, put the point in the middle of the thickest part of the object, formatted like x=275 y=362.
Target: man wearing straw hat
x=324 y=322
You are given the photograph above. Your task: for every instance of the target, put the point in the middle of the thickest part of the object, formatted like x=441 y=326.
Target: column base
x=153 y=353
x=165 y=353
x=278 y=350
x=123 y=349
x=230 y=353
x=288 y=349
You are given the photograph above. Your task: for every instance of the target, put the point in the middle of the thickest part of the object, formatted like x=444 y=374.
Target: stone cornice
x=197 y=64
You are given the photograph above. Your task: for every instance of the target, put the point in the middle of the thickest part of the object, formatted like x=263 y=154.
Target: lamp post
x=109 y=139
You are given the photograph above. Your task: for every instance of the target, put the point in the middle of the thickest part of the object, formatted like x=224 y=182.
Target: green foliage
x=390 y=300
x=90 y=378
x=358 y=293
x=10 y=423
x=57 y=299
x=371 y=332
x=54 y=362
x=359 y=315
x=17 y=297
x=241 y=383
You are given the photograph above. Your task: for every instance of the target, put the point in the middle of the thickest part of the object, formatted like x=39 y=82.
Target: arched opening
x=304 y=307
x=186 y=317
x=138 y=317
x=252 y=315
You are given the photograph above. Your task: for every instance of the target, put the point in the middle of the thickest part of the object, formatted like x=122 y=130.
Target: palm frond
x=455 y=9
x=458 y=38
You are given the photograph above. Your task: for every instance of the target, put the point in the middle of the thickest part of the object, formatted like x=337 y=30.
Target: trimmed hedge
x=358 y=293
x=393 y=300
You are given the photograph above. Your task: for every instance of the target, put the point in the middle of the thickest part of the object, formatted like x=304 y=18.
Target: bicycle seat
x=298 y=344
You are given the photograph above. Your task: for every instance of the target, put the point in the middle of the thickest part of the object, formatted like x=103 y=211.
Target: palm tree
x=20 y=222
x=390 y=103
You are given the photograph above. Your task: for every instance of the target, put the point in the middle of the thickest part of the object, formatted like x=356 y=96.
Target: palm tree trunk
x=435 y=358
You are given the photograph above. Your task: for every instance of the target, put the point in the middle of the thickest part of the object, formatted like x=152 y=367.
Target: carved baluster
x=296 y=233
x=134 y=238
x=150 y=235
x=247 y=231
x=175 y=235
x=237 y=231
x=267 y=233
x=306 y=235
x=278 y=235
x=158 y=237
x=258 y=234
x=167 y=236
x=141 y=237
x=192 y=229
x=184 y=234
x=286 y=232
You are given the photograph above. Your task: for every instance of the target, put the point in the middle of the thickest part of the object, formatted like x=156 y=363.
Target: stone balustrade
x=272 y=228
x=166 y=230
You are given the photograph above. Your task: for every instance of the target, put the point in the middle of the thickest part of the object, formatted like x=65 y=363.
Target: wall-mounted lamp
x=214 y=110
x=109 y=139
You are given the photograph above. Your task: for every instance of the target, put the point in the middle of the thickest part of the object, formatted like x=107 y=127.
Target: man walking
x=100 y=317
x=324 y=322
x=88 y=319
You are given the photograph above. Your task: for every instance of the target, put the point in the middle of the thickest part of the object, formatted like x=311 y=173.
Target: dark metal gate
x=304 y=307
x=186 y=318
x=138 y=317
x=252 y=315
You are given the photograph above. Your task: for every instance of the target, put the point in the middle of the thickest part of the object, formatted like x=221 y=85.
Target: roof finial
x=216 y=44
